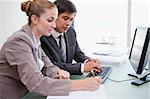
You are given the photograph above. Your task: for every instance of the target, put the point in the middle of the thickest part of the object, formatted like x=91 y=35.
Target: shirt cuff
x=82 y=68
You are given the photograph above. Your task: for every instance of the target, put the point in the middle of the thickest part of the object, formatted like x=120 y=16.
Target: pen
x=92 y=72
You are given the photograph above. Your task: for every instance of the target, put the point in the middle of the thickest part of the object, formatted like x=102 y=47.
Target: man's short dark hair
x=65 y=6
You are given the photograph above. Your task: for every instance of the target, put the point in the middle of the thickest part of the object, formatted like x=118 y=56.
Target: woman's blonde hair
x=36 y=7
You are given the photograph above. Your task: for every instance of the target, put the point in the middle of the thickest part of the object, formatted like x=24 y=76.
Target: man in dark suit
x=62 y=46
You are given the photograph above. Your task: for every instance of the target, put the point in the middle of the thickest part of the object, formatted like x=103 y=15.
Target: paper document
x=112 y=59
x=98 y=94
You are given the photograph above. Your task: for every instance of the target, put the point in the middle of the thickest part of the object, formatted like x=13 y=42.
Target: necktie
x=62 y=48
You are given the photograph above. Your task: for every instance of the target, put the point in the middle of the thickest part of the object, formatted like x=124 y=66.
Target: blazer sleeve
x=19 y=54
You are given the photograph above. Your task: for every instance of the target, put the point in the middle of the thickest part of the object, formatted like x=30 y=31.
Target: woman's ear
x=34 y=19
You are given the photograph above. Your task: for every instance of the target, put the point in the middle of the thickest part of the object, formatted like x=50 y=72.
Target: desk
x=98 y=94
x=123 y=90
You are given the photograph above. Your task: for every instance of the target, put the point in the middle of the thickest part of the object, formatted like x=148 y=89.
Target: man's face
x=64 y=21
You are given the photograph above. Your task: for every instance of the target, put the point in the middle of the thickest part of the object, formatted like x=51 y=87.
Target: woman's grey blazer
x=19 y=72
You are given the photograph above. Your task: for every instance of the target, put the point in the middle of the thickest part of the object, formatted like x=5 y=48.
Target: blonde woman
x=25 y=67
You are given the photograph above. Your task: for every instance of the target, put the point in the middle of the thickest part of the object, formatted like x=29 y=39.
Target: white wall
x=11 y=18
x=101 y=21
x=140 y=14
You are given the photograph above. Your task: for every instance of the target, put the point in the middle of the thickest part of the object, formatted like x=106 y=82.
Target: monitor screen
x=139 y=50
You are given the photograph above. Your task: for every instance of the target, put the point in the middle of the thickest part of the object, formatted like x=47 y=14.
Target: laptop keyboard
x=104 y=73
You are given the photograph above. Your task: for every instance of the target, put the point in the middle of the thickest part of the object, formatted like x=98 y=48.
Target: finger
x=98 y=78
x=68 y=77
x=67 y=74
x=96 y=70
x=98 y=67
x=97 y=61
x=90 y=60
x=95 y=66
x=57 y=77
x=62 y=77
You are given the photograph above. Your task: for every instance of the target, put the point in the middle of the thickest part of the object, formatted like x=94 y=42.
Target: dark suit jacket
x=73 y=52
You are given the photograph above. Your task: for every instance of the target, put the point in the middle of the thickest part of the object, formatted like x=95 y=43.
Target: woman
x=24 y=66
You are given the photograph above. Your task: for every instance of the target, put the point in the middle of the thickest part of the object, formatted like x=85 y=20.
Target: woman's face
x=46 y=22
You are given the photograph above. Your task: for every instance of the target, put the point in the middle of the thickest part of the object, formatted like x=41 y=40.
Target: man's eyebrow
x=52 y=17
x=65 y=16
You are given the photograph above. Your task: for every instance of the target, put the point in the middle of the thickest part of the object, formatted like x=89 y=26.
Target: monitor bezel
x=145 y=52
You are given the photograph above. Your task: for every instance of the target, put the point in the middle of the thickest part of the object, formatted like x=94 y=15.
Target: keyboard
x=104 y=73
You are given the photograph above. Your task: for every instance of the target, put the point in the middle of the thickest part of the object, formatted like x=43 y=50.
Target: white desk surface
x=124 y=90
x=120 y=90
x=98 y=94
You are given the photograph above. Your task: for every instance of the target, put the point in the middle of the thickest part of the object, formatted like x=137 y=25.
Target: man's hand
x=62 y=74
x=92 y=64
x=94 y=60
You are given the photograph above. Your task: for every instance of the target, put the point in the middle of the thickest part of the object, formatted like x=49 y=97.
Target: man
x=62 y=46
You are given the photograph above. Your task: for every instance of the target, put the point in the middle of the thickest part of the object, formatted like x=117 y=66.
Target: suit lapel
x=67 y=46
x=27 y=30
x=53 y=43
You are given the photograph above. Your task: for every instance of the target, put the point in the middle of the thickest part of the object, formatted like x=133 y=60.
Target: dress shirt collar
x=56 y=34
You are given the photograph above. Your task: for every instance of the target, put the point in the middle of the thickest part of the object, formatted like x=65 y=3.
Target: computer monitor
x=139 y=54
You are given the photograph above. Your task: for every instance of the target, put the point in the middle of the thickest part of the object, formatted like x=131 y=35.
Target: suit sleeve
x=19 y=53
x=71 y=68
x=79 y=56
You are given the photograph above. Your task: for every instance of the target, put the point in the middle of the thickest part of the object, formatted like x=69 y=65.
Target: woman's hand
x=62 y=74
x=88 y=84
x=91 y=83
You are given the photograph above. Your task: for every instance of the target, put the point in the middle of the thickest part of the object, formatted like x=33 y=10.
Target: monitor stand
x=141 y=79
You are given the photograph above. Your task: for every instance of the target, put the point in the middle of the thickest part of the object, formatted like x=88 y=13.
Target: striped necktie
x=62 y=48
